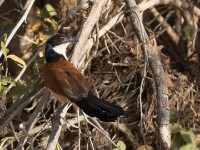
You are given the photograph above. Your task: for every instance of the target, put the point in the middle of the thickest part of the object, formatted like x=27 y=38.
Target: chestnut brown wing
x=71 y=83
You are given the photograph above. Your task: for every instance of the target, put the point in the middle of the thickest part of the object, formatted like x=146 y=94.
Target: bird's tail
x=96 y=107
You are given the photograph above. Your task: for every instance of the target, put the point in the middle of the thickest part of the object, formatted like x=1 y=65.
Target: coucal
x=67 y=83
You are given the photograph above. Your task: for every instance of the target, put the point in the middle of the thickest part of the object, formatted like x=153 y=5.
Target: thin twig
x=24 y=69
x=180 y=4
x=82 y=5
x=32 y=120
x=20 y=104
x=79 y=129
x=140 y=100
x=57 y=126
x=101 y=130
x=30 y=4
x=88 y=131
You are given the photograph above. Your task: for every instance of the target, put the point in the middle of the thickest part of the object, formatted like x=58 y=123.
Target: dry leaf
x=51 y=22
x=40 y=38
x=17 y=59
x=34 y=27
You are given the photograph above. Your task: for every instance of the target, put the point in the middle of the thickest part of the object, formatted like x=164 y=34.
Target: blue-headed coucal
x=67 y=83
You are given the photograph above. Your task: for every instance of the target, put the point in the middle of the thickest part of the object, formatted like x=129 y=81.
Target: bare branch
x=20 y=104
x=181 y=4
x=158 y=73
x=28 y=126
x=30 y=4
x=57 y=126
x=86 y=30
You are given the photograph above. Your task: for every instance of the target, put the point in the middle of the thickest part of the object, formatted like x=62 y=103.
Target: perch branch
x=113 y=21
x=57 y=126
x=93 y=17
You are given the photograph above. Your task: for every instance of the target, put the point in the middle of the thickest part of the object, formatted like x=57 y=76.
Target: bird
x=68 y=85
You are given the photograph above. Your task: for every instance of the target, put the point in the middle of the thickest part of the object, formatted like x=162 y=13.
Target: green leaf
x=188 y=147
x=7 y=80
x=1 y=88
x=6 y=23
x=48 y=11
x=188 y=136
x=177 y=142
x=121 y=145
x=175 y=128
x=172 y=117
x=20 y=89
x=4 y=49
x=4 y=37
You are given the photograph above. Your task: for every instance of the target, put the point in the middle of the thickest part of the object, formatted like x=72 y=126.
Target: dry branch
x=158 y=73
x=164 y=23
x=113 y=21
x=28 y=126
x=93 y=17
x=57 y=126
x=29 y=3
x=181 y=4
x=20 y=104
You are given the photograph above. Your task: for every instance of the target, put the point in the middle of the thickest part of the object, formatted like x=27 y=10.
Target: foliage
x=182 y=139
x=121 y=145
x=4 y=49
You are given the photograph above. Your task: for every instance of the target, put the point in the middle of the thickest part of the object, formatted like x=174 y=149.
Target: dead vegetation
x=111 y=53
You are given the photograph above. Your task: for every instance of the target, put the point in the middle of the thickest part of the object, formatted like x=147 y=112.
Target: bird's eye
x=61 y=39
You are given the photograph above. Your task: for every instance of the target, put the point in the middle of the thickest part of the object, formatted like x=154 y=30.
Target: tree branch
x=87 y=29
x=57 y=126
x=30 y=4
x=158 y=73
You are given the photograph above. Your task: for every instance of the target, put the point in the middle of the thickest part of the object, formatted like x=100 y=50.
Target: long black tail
x=95 y=107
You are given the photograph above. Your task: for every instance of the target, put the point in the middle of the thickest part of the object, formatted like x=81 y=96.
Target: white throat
x=61 y=49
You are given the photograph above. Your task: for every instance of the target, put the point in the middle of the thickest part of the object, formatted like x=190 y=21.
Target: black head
x=56 y=47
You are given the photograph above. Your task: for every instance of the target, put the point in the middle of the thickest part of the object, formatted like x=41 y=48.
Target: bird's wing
x=70 y=80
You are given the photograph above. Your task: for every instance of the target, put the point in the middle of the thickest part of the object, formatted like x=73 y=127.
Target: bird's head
x=56 y=47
